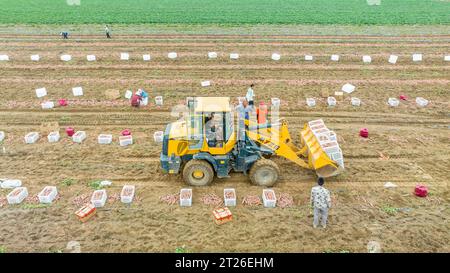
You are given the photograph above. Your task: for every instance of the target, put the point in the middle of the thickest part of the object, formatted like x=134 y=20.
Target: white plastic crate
x=393 y=102
x=276 y=56
x=331 y=101
x=367 y=59
x=53 y=137
x=330 y=147
x=79 y=136
x=393 y=59
x=91 y=58
x=47 y=195
x=2 y=136
x=269 y=198
x=417 y=57
x=348 y=88
x=128 y=94
x=144 y=101
x=98 y=198
x=172 y=55
x=77 y=91
x=234 y=56
x=35 y=57
x=146 y=57
x=186 y=197
x=41 y=92
x=124 y=56
x=127 y=194
x=125 y=140
x=47 y=105
x=333 y=136
x=104 y=139
x=311 y=102
x=421 y=102
x=159 y=100
x=158 y=136
x=11 y=183
x=4 y=58
x=229 y=197
x=447 y=58
x=66 y=57
x=212 y=55
x=275 y=102
x=31 y=137
x=308 y=57
x=17 y=195
x=356 y=101
x=335 y=58
x=205 y=83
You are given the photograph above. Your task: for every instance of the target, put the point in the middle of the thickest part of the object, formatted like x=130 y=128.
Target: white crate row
x=42 y=92
x=417 y=57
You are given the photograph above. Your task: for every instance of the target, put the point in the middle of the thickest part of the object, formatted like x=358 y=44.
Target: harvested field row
x=407 y=145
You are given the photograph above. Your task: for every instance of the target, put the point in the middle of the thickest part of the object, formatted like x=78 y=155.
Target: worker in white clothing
x=320 y=202
x=250 y=95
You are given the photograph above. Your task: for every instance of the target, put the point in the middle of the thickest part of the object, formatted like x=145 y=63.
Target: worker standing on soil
x=250 y=95
x=107 y=32
x=321 y=202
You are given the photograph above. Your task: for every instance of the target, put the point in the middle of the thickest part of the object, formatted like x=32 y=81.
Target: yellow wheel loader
x=213 y=139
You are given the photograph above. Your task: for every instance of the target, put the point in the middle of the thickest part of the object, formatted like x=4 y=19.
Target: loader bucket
x=322 y=150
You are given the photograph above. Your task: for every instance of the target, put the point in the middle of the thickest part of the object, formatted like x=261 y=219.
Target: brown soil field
x=415 y=142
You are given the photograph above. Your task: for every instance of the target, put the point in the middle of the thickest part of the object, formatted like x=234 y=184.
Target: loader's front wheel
x=198 y=173
x=264 y=172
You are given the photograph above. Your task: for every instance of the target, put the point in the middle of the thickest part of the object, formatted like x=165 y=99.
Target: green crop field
x=232 y=12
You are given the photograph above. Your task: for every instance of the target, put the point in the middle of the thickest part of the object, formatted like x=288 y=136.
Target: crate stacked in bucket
x=327 y=140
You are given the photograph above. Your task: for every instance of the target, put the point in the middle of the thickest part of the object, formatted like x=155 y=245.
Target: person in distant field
x=250 y=95
x=65 y=35
x=320 y=202
x=107 y=32
x=136 y=99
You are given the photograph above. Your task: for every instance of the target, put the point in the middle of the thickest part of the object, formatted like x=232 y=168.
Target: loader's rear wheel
x=264 y=173
x=198 y=173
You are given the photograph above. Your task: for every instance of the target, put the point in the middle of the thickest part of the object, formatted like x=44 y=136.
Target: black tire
x=200 y=166
x=264 y=172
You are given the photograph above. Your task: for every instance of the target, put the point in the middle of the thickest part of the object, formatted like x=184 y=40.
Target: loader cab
x=210 y=125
